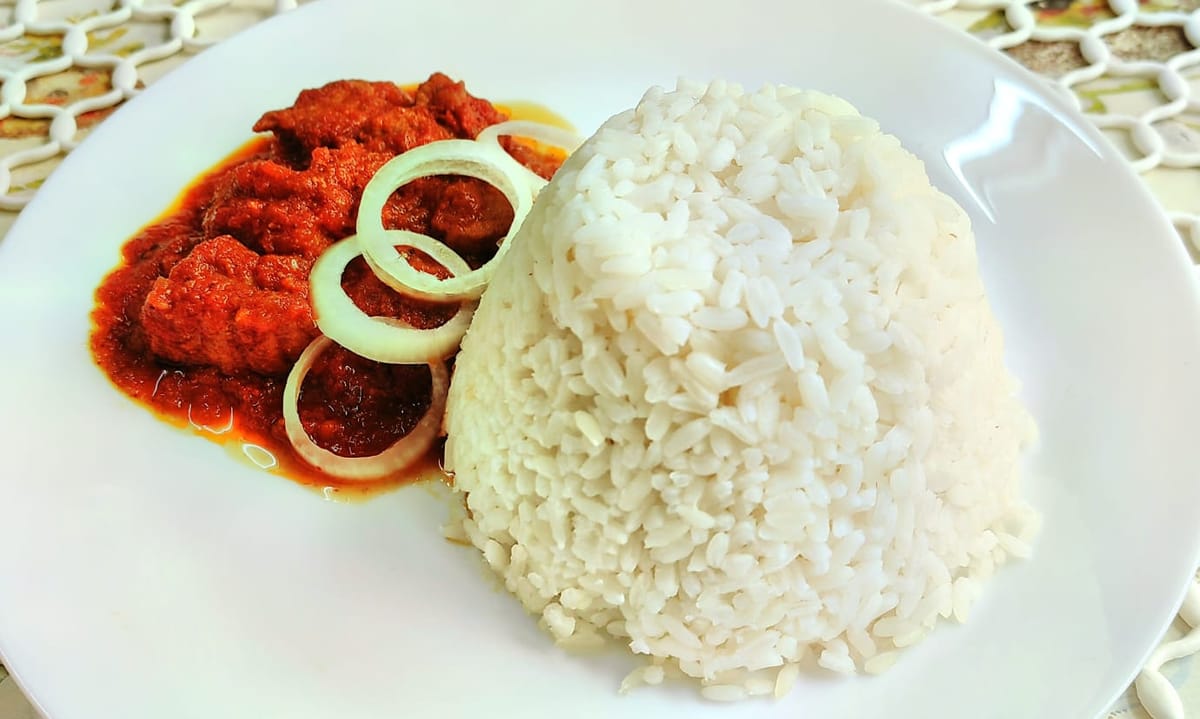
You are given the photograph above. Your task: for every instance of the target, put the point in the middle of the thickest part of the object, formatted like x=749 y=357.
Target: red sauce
x=208 y=309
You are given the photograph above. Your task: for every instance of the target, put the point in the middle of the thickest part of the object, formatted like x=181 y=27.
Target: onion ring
x=401 y=454
x=541 y=132
x=469 y=158
x=382 y=339
x=384 y=246
x=537 y=131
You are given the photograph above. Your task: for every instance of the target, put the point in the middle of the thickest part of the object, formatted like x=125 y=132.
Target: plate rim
x=75 y=161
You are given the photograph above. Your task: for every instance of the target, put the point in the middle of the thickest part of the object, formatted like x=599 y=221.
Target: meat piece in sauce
x=379 y=116
x=471 y=216
x=227 y=306
x=276 y=209
x=455 y=108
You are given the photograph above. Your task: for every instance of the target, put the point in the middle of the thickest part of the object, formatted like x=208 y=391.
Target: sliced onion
x=541 y=132
x=486 y=162
x=384 y=245
x=383 y=339
x=401 y=454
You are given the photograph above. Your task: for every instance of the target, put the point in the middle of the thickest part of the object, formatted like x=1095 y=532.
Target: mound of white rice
x=736 y=397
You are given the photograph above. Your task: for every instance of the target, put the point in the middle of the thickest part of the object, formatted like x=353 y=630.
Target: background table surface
x=1132 y=65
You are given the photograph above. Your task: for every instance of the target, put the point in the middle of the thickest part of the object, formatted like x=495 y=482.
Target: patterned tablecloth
x=1133 y=66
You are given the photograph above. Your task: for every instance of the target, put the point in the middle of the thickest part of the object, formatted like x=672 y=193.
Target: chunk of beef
x=471 y=217
x=340 y=113
x=462 y=113
x=275 y=209
x=227 y=306
x=377 y=115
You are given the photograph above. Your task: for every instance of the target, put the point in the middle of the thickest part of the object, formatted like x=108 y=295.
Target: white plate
x=144 y=574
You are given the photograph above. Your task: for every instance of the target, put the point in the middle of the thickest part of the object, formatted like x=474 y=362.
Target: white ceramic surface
x=148 y=575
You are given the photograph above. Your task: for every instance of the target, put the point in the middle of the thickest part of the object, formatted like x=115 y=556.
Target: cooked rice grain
x=736 y=395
